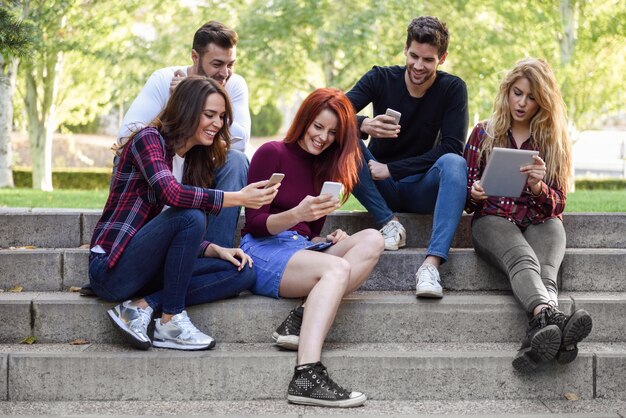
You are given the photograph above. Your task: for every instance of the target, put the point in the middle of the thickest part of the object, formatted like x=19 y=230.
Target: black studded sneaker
x=540 y=345
x=311 y=385
x=574 y=328
x=287 y=335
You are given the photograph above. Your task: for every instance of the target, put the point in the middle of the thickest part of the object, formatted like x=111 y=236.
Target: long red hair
x=341 y=161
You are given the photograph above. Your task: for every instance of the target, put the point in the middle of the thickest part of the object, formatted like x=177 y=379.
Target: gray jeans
x=530 y=259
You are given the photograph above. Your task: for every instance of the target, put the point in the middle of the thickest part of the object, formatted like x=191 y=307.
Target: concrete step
x=250 y=372
x=583 y=269
x=374 y=317
x=509 y=408
x=67 y=228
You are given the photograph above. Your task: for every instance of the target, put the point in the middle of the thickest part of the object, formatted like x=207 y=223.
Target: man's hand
x=179 y=76
x=382 y=126
x=378 y=170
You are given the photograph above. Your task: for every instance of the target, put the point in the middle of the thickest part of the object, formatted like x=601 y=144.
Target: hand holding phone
x=274 y=179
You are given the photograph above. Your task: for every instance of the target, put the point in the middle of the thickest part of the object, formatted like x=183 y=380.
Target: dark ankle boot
x=541 y=343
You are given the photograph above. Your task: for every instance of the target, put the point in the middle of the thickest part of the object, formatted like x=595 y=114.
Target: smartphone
x=332 y=188
x=276 y=178
x=394 y=114
x=319 y=246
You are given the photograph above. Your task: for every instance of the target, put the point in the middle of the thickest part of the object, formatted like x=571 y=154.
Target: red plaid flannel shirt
x=142 y=184
x=524 y=210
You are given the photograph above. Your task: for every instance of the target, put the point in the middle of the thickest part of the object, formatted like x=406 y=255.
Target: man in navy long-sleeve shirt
x=415 y=165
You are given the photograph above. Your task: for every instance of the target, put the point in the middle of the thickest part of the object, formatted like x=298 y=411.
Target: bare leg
x=325 y=279
x=362 y=250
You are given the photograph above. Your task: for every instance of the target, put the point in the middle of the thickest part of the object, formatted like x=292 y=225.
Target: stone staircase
x=400 y=351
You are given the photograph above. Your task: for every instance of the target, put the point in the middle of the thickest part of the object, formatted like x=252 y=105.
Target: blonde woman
x=524 y=236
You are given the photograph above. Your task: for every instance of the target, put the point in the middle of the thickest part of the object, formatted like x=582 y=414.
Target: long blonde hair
x=548 y=127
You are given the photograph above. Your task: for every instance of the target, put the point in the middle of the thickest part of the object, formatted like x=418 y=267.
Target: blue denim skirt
x=271 y=255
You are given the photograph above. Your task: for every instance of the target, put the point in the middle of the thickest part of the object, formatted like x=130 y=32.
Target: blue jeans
x=231 y=177
x=440 y=191
x=161 y=263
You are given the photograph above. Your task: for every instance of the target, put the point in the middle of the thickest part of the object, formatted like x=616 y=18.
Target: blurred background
x=70 y=68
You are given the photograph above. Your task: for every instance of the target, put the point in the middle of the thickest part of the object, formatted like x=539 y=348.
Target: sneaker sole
x=389 y=247
x=128 y=336
x=288 y=342
x=577 y=329
x=185 y=347
x=429 y=293
x=343 y=403
x=543 y=347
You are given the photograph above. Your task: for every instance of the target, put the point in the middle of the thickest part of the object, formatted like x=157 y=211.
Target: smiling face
x=214 y=62
x=211 y=121
x=320 y=134
x=522 y=102
x=422 y=61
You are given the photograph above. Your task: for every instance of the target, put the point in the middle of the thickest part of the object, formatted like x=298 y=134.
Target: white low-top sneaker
x=428 y=282
x=180 y=334
x=394 y=234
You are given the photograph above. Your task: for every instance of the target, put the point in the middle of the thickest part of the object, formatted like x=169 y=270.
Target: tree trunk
x=8 y=77
x=40 y=111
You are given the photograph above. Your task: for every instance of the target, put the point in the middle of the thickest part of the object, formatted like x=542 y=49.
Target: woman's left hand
x=336 y=236
x=235 y=255
x=536 y=173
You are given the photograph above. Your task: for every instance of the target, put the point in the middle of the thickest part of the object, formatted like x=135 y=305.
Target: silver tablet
x=502 y=176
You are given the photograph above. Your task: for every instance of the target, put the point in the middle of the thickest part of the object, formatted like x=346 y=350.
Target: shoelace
x=322 y=372
x=187 y=327
x=431 y=276
x=390 y=228
x=556 y=317
x=143 y=320
x=294 y=321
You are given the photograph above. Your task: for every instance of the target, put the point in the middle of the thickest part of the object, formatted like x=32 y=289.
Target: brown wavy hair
x=179 y=121
x=342 y=159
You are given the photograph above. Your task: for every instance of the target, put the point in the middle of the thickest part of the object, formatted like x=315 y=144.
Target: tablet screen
x=502 y=176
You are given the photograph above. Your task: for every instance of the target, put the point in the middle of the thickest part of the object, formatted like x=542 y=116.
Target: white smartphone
x=332 y=188
x=276 y=178
x=394 y=114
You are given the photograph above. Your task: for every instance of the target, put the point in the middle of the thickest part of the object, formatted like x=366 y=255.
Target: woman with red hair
x=322 y=144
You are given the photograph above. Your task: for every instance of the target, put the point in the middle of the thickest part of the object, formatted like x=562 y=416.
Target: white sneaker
x=180 y=334
x=428 y=283
x=394 y=235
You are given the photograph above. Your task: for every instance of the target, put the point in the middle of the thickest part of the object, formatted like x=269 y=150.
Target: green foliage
x=15 y=34
x=84 y=179
x=267 y=121
x=602 y=184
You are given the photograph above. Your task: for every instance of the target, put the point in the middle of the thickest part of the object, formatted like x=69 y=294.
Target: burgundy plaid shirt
x=524 y=210
x=142 y=184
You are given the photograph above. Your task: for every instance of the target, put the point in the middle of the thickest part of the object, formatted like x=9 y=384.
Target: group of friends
x=165 y=240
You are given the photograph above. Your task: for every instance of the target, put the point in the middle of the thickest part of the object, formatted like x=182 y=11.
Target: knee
x=340 y=272
x=372 y=243
x=247 y=277
x=194 y=218
x=453 y=167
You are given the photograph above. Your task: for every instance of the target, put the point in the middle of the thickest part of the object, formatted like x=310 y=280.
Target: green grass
x=75 y=199
x=580 y=201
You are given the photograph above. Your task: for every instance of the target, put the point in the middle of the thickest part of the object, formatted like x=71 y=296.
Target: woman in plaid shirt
x=524 y=237
x=148 y=244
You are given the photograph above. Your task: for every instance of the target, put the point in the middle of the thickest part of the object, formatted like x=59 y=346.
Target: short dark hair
x=214 y=32
x=428 y=30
